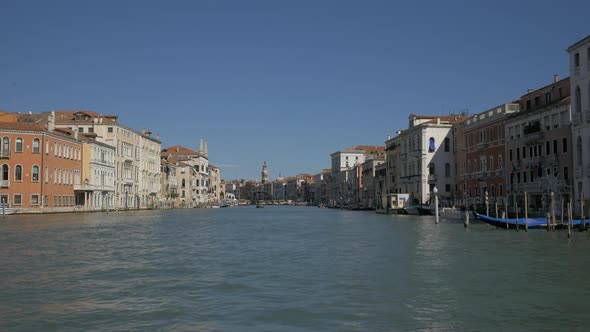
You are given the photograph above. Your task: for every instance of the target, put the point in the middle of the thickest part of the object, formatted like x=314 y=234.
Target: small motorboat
x=259 y=205
x=6 y=210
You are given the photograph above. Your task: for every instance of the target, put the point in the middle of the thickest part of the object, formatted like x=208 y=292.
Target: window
x=447 y=187
x=564 y=145
x=90 y=129
x=528 y=104
x=46 y=147
x=110 y=129
x=81 y=129
x=19 y=145
x=578 y=100
x=524 y=152
x=577 y=59
x=517 y=153
x=537 y=101
x=547 y=148
x=35 y=174
x=36 y=145
x=548 y=97
x=447 y=145
x=579 y=148
x=45 y=200
x=510 y=155
x=565 y=173
x=431 y=145
x=5 y=173
x=555 y=146
x=447 y=170
x=18 y=199
x=18 y=173
x=5 y=146
x=34 y=199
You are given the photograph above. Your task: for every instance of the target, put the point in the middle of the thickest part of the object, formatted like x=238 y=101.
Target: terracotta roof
x=371 y=149
x=22 y=126
x=179 y=150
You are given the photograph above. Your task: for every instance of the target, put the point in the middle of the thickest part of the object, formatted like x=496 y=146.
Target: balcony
x=5 y=154
x=431 y=178
x=4 y=183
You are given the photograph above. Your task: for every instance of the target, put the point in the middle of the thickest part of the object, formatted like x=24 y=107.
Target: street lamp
x=435 y=192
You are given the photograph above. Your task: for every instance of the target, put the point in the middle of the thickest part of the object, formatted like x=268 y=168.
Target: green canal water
x=286 y=269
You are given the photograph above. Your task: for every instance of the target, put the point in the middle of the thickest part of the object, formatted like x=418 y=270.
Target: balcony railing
x=4 y=183
x=5 y=154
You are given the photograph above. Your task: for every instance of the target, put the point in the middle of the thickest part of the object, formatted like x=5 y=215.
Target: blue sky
x=288 y=82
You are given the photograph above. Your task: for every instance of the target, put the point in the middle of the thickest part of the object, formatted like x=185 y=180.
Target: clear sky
x=288 y=82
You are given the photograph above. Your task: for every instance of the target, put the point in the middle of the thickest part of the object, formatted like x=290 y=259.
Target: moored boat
x=7 y=211
x=533 y=223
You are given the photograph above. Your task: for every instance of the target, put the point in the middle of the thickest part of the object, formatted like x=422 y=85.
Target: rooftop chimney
x=158 y=137
x=76 y=133
x=51 y=122
x=555 y=78
x=206 y=150
x=201 y=145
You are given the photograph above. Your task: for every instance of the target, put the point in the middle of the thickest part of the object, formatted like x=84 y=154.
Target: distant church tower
x=264 y=173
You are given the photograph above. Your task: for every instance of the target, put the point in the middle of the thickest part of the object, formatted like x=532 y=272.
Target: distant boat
x=259 y=205
x=7 y=211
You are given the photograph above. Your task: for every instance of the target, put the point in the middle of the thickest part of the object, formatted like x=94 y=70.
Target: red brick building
x=484 y=161
x=38 y=168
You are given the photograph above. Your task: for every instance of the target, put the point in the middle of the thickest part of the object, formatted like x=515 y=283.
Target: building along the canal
x=97 y=188
x=539 y=148
x=39 y=166
x=137 y=169
x=579 y=61
x=426 y=158
x=484 y=155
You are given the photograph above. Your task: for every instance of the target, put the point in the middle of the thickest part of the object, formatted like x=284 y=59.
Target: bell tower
x=264 y=173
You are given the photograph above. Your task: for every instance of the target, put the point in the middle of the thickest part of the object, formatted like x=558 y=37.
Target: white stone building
x=426 y=158
x=137 y=168
x=97 y=188
x=579 y=57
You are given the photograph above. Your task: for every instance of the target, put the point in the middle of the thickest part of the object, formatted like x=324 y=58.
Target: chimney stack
x=206 y=150
x=76 y=133
x=51 y=122
x=555 y=78
x=201 y=145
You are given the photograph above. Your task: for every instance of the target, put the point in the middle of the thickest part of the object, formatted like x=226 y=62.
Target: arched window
x=18 y=173
x=578 y=100
x=19 y=145
x=183 y=183
x=431 y=145
x=36 y=145
x=35 y=174
x=4 y=172
x=447 y=170
x=5 y=146
x=447 y=144
x=431 y=169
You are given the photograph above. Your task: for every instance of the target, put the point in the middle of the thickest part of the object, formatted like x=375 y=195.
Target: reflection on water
x=285 y=269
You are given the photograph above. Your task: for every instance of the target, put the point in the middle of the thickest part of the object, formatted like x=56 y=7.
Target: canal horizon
x=284 y=268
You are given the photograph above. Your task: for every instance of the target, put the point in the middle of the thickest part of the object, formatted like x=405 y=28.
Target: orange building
x=38 y=167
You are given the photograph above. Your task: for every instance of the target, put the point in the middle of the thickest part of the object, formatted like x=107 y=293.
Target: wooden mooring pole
x=526 y=213
x=516 y=210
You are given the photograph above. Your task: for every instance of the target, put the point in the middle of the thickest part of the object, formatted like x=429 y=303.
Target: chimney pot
x=555 y=78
